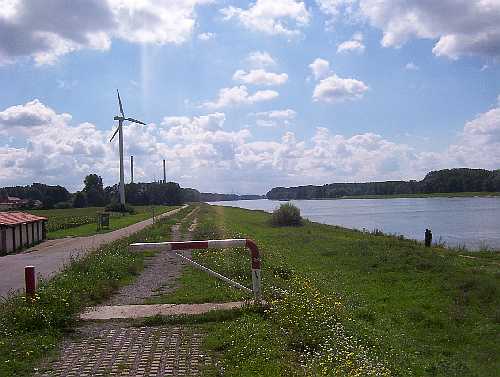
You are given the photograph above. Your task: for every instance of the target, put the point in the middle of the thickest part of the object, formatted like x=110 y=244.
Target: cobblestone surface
x=122 y=351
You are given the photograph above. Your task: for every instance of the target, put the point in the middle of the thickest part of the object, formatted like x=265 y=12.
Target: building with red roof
x=19 y=230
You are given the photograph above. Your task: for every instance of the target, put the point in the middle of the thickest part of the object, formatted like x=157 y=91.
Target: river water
x=470 y=222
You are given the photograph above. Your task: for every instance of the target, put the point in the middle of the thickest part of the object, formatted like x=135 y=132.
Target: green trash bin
x=103 y=220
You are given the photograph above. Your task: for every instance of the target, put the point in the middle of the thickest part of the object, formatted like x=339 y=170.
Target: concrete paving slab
x=142 y=311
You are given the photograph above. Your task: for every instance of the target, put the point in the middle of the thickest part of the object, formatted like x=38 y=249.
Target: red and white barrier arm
x=212 y=244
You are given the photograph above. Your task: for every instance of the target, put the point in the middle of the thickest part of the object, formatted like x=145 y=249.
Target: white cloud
x=238 y=95
x=479 y=144
x=412 y=66
x=355 y=44
x=461 y=27
x=276 y=17
x=260 y=77
x=275 y=118
x=260 y=59
x=51 y=149
x=334 y=89
x=206 y=36
x=46 y=30
x=335 y=7
x=202 y=153
x=31 y=114
x=320 y=68
x=286 y=114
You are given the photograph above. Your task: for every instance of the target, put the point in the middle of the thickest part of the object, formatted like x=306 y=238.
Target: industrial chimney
x=131 y=169
x=164 y=173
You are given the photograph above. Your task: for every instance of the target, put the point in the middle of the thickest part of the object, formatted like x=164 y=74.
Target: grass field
x=78 y=222
x=345 y=303
x=30 y=331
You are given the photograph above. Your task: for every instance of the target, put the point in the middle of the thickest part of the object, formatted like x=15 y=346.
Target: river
x=471 y=222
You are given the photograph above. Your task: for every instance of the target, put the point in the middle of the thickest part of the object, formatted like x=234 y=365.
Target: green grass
x=346 y=303
x=117 y=221
x=431 y=195
x=30 y=330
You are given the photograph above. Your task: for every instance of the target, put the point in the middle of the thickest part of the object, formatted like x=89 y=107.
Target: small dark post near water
x=428 y=238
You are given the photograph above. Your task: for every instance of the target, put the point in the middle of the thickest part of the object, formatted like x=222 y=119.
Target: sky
x=243 y=96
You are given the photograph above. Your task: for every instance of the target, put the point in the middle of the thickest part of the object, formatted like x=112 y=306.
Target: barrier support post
x=213 y=244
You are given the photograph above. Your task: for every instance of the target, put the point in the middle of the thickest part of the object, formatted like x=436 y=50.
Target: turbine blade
x=120 y=103
x=112 y=137
x=135 y=121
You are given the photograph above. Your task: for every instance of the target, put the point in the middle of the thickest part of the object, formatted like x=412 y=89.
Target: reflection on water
x=471 y=222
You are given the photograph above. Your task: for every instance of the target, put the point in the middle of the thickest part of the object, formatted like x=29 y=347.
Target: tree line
x=440 y=181
x=94 y=194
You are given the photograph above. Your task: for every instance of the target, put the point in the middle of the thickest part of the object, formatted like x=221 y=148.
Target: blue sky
x=243 y=96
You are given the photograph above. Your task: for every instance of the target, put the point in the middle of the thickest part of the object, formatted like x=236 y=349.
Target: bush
x=286 y=215
x=80 y=200
x=63 y=205
x=118 y=207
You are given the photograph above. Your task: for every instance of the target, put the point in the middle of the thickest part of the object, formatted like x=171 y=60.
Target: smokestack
x=131 y=169
x=164 y=173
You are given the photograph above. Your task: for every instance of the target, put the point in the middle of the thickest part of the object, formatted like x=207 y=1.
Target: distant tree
x=173 y=193
x=190 y=195
x=94 y=190
x=80 y=200
x=446 y=180
x=3 y=195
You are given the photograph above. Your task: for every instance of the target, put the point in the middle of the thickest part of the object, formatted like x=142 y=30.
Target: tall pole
x=131 y=169
x=122 y=177
x=164 y=173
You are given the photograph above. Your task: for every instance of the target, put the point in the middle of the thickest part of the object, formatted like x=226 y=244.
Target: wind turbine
x=119 y=130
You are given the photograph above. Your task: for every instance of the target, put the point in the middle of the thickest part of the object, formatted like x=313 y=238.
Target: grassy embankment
x=431 y=195
x=30 y=331
x=78 y=222
x=345 y=303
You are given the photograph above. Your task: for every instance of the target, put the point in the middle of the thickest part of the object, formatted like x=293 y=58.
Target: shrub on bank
x=118 y=207
x=286 y=215
x=63 y=205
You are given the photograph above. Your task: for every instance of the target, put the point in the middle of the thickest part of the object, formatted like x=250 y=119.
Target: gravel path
x=51 y=256
x=160 y=274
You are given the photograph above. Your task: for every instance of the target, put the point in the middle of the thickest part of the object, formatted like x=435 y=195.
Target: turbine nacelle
x=122 y=118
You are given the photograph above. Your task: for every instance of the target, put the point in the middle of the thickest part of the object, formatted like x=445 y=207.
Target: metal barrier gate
x=213 y=244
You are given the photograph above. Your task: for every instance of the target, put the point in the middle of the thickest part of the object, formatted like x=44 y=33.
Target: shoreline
x=479 y=194
x=440 y=240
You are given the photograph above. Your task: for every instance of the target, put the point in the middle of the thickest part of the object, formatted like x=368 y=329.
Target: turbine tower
x=119 y=130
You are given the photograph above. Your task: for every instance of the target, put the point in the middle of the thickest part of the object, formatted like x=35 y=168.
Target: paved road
x=51 y=256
